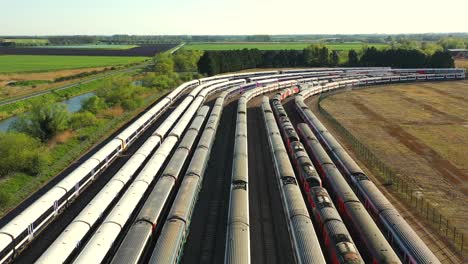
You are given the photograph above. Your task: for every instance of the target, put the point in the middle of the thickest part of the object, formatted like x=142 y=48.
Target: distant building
x=459 y=53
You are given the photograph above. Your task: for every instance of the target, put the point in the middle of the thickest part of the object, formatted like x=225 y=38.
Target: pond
x=73 y=105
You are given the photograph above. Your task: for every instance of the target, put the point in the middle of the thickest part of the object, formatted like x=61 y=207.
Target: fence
x=403 y=186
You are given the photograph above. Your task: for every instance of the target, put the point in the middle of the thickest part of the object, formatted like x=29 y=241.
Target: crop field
x=40 y=63
x=98 y=46
x=276 y=46
x=420 y=131
x=28 y=41
x=124 y=50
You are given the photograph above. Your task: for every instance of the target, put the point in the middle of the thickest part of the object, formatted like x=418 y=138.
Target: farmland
x=93 y=46
x=93 y=50
x=27 y=41
x=420 y=131
x=461 y=63
x=276 y=46
x=40 y=63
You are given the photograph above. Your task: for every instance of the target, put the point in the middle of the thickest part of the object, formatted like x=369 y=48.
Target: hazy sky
x=198 y=17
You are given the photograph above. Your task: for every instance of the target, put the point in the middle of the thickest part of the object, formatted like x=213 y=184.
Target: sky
x=230 y=17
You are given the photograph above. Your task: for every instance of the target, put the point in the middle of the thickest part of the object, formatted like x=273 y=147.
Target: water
x=73 y=105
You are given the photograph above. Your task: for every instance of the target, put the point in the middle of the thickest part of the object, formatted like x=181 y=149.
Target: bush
x=161 y=82
x=130 y=104
x=21 y=153
x=82 y=119
x=93 y=104
x=119 y=90
x=44 y=121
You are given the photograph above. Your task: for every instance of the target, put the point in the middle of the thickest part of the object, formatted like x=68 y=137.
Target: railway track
x=268 y=228
x=273 y=237
x=210 y=214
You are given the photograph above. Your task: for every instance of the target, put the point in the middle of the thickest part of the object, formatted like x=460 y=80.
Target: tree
x=430 y=48
x=21 y=153
x=163 y=63
x=441 y=59
x=186 y=60
x=452 y=43
x=160 y=82
x=207 y=64
x=334 y=58
x=316 y=55
x=353 y=59
x=118 y=90
x=82 y=119
x=323 y=57
x=93 y=104
x=44 y=121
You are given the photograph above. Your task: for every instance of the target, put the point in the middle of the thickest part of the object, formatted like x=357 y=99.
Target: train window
x=288 y=180
x=342 y=238
x=239 y=185
x=360 y=176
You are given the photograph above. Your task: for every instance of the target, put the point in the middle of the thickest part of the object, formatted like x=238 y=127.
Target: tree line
x=215 y=62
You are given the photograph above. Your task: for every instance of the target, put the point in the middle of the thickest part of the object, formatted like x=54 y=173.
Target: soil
x=420 y=131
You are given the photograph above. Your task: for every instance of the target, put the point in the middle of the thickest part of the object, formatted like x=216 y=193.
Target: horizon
x=221 y=35
x=241 y=17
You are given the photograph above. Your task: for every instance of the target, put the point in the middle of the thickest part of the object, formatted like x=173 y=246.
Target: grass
x=276 y=46
x=44 y=63
x=462 y=63
x=28 y=41
x=22 y=106
x=433 y=130
x=92 y=46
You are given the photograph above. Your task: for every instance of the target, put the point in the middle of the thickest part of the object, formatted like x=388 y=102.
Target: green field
x=27 y=41
x=91 y=46
x=276 y=46
x=44 y=63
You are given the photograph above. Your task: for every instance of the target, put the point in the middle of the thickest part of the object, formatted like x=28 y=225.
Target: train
x=25 y=226
x=70 y=240
x=373 y=245
x=339 y=243
x=402 y=237
x=303 y=237
x=169 y=246
x=102 y=241
x=134 y=246
x=238 y=232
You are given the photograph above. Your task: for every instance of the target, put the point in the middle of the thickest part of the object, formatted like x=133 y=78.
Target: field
x=98 y=46
x=420 y=131
x=275 y=46
x=40 y=63
x=461 y=63
x=93 y=50
x=28 y=41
